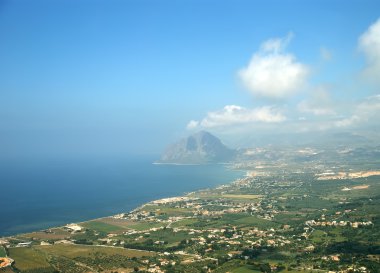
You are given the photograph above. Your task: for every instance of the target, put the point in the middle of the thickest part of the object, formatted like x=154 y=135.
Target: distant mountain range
x=199 y=148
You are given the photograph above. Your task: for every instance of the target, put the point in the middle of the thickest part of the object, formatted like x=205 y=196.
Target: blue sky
x=125 y=77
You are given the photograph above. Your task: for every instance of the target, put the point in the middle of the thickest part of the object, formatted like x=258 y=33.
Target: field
x=54 y=234
x=253 y=221
x=242 y=196
x=2 y=252
x=245 y=269
x=184 y=223
x=122 y=223
x=27 y=259
x=165 y=210
x=74 y=258
x=117 y=225
x=242 y=220
x=73 y=251
x=102 y=227
x=147 y=225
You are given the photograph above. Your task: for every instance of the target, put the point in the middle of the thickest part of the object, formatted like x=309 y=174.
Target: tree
x=265 y=268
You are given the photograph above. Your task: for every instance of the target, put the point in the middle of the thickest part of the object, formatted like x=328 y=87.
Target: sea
x=37 y=194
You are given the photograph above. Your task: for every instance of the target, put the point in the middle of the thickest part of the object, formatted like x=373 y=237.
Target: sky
x=106 y=78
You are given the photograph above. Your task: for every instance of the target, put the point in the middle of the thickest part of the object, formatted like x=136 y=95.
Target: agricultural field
x=29 y=260
x=102 y=227
x=245 y=269
x=52 y=234
x=74 y=251
x=74 y=258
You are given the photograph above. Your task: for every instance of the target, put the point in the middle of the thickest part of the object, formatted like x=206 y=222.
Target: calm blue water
x=37 y=194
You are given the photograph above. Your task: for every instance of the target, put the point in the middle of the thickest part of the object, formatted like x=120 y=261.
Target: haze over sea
x=37 y=194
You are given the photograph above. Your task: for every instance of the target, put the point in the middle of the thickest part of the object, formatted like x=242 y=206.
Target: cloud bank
x=367 y=112
x=272 y=73
x=233 y=114
x=320 y=103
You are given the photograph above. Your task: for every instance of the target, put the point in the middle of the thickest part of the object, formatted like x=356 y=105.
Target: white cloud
x=232 y=119
x=319 y=104
x=308 y=107
x=233 y=115
x=192 y=124
x=276 y=45
x=347 y=122
x=369 y=43
x=272 y=73
x=362 y=115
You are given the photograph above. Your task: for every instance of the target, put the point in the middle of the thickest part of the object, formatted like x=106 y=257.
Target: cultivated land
x=291 y=213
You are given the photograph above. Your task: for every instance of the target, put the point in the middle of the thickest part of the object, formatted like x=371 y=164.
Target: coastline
x=156 y=201
x=213 y=227
x=136 y=208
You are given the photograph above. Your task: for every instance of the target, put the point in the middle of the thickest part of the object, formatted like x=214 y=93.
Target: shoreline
x=108 y=216
x=184 y=194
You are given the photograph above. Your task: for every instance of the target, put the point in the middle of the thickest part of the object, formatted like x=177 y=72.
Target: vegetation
x=3 y=253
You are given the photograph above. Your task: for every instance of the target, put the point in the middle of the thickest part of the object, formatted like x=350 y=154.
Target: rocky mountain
x=199 y=148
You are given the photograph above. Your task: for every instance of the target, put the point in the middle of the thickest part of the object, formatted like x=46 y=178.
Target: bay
x=38 y=194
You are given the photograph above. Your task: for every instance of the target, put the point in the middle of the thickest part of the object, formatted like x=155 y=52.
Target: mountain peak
x=201 y=147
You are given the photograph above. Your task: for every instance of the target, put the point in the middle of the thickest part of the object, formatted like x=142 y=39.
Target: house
x=26 y=244
x=74 y=227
